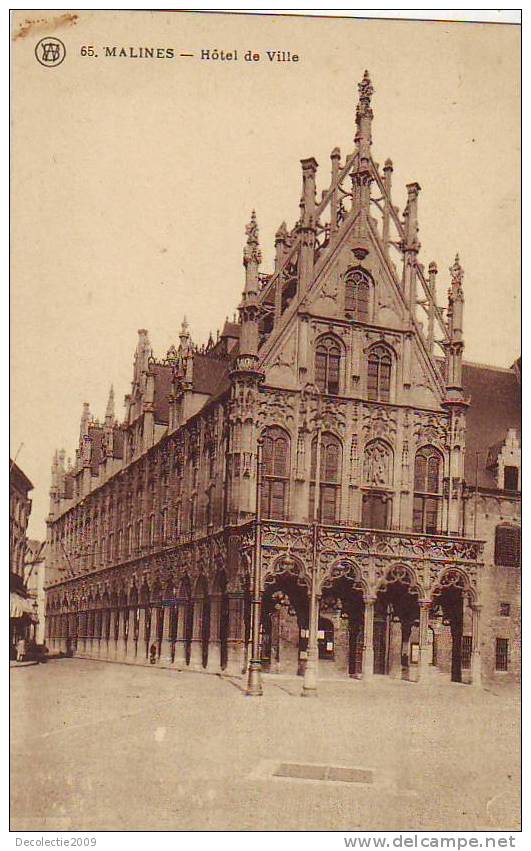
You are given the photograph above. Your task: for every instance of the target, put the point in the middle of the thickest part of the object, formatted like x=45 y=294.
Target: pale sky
x=133 y=179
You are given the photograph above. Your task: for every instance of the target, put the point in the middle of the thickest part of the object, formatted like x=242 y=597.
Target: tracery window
x=427 y=499
x=327 y=365
x=329 y=478
x=379 y=364
x=357 y=294
x=275 y=478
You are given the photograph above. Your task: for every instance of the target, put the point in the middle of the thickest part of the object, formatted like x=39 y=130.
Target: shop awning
x=19 y=606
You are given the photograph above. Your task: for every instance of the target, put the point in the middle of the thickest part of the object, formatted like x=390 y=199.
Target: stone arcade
x=325 y=489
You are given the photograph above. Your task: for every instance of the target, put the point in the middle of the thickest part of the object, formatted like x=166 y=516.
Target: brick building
x=328 y=469
x=20 y=607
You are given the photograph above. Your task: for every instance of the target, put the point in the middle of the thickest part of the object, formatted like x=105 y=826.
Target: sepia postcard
x=265 y=465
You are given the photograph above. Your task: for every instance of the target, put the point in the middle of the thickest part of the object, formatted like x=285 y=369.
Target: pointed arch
x=359 y=287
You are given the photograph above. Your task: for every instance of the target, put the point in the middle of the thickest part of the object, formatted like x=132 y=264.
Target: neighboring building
x=35 y=581
x=374 y=545
x=20 y=608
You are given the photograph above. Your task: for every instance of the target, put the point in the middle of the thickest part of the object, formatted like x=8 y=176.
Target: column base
x=254 y=680
x=475 y=669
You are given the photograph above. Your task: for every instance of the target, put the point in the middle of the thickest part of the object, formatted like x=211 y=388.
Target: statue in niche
x=377 y=464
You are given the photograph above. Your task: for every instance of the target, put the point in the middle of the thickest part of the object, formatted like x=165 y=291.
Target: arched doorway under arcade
x=284 y=622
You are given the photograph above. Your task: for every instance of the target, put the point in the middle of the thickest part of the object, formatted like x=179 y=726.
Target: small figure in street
x=153 y=654
x=21 y=649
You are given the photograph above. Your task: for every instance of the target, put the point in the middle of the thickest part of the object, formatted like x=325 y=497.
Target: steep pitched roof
x=211 y=376
x=495 y=408
x=163 y=376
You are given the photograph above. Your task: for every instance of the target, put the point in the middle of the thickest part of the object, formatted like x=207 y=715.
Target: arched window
x=327 y=365
x=357 y=294
x=379 y=374
x=507 y=546
x=275 y=476
x=329 y=479
x=427 y=500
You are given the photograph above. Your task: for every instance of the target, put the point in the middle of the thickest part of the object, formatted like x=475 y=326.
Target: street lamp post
x=254 y=679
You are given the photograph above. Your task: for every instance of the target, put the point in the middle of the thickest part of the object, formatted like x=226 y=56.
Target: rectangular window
x=510 y=478
x=502 y=654
x=507 y=546
x=505 y=610
x=466 y=651
x=333 y=374
x=375 y=511
x=328 y=503
x=372 y=380
x=320 y=371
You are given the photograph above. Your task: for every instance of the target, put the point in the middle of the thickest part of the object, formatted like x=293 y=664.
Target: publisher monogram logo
x=50 y=52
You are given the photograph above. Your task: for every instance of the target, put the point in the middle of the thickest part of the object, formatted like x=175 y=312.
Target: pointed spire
x=85 y=419
x=109 y=412
x=142 y=354
x=184 y=336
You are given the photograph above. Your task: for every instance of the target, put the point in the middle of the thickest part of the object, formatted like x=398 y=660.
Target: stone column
x=404 y=651
x=169 y=635
x=475 y=660
x=140 y=644
x=368 y=637
x=180 y=660
x=121 y=650
x=196 y=644
x=236 y=649
x=214 y=644
x=424 y=648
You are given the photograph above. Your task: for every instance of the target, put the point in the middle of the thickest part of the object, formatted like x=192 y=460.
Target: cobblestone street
x=98 y=746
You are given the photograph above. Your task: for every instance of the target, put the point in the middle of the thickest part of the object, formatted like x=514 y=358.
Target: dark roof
x=118 y=441
x=231 y=329
x=96 y=436
x=210 y=376
x=495 y=407
x=163 y=376
x=19 y=479
x=69 y=486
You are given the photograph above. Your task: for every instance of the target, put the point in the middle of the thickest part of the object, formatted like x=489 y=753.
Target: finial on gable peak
x=457 y=273
x=366 y=90
x=251 y=252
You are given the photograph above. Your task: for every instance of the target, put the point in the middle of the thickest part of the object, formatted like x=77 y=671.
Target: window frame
x=500 y=549
x=275 y=480
x=323 y=350
x=427 y=497
x=380 y=354
x=352 y=280
x=326 y=485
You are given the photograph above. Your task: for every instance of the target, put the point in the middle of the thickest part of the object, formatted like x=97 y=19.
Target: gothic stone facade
x=329 y=463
